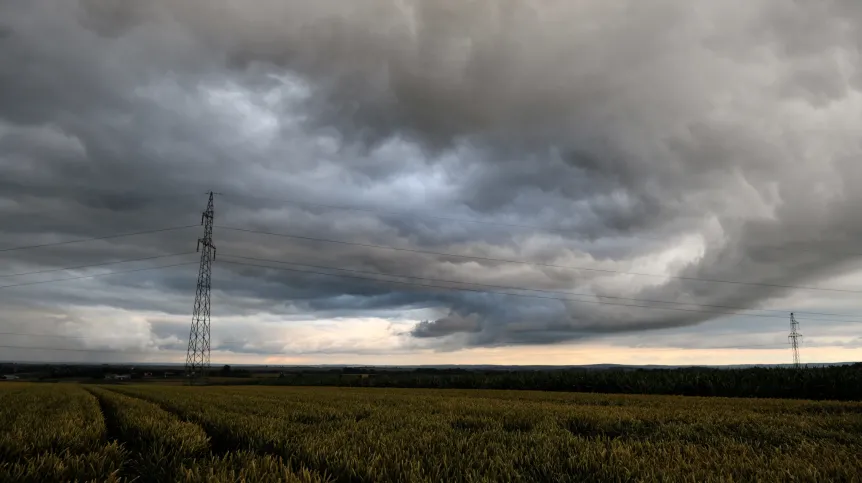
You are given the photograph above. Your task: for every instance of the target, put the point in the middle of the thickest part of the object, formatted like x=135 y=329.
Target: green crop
x=295 y=434
x=102 y=465
x=160 y=442
x=427 y=435
x=49 y=419
x=54 y=433
x=245 y=466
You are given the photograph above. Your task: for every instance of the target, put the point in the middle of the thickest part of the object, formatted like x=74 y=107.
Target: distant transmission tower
x=795 y=339
x=198 y=355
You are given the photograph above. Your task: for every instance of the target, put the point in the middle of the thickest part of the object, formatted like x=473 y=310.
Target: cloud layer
x=684 y=140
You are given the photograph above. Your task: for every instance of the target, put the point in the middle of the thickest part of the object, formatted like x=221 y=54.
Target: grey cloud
x=454 y=323
x=617 y=137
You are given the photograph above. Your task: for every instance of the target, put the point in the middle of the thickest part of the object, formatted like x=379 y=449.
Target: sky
x=451 y=182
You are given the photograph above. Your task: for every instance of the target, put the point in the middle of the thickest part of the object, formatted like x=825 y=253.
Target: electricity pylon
x=795 y=339
x=198 y=355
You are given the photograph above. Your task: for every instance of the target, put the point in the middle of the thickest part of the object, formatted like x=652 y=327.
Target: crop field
x=68 y=432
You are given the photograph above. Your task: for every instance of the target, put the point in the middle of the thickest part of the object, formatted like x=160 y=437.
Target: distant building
x=117 y=377
x=10 y=377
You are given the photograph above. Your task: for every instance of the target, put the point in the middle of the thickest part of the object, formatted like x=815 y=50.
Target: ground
x=62 y=432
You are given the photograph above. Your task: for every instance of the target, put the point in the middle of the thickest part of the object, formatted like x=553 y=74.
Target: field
x=70 y=432
x=841 y=383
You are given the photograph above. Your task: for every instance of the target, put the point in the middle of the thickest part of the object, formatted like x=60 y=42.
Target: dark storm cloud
x=699 y=139
x=447 y=325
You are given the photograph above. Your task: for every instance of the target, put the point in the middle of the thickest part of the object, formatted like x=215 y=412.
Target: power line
x=538 y=290
x=97 y=275
x=55 y=192
x=750 y=346
x=81 y=240
x=769 y=347
x=502 y=224
x=416 y=215
x=88 y=337
x=93 y=265
x=522 y=262
x=497 y=292
x=57 y=336
x=422 y=215
x=158 y=350
x=83 y=350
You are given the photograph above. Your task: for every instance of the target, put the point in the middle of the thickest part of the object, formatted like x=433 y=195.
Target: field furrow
x=160 y=443
x=217 y=434
x=414 y=435
x=167 y=448
x=55 y=433
x=50 y=418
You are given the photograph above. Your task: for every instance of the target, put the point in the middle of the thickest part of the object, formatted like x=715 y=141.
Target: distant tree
x=225 y=369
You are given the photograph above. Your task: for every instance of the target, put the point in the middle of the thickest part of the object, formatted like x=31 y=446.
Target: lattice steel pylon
x=198 y=355
x=795 y=338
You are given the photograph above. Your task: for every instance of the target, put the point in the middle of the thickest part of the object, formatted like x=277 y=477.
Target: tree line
x=820 y=383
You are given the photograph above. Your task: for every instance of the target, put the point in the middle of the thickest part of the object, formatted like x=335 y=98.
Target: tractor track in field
x=112 y=435
x=222 y=443
x=219 y=445
x=147 y=460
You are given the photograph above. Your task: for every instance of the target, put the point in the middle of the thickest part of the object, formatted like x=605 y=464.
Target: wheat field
x=69 y=432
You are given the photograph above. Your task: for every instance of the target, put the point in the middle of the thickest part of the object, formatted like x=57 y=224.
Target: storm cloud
x=673 y=140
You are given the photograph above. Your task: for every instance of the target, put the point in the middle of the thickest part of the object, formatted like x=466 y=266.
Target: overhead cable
x=93 y=265
x=559 y=292
x=564 y=299
x=96 y=275
x=107 y=237
x=536 y=264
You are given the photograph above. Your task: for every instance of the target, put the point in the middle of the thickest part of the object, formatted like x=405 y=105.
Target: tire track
x=159 y=445
x=112 y=436
x=224 y=442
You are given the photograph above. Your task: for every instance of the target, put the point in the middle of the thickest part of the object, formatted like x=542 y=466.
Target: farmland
x=821 y=383
x=837 y=382
x=61 y=432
